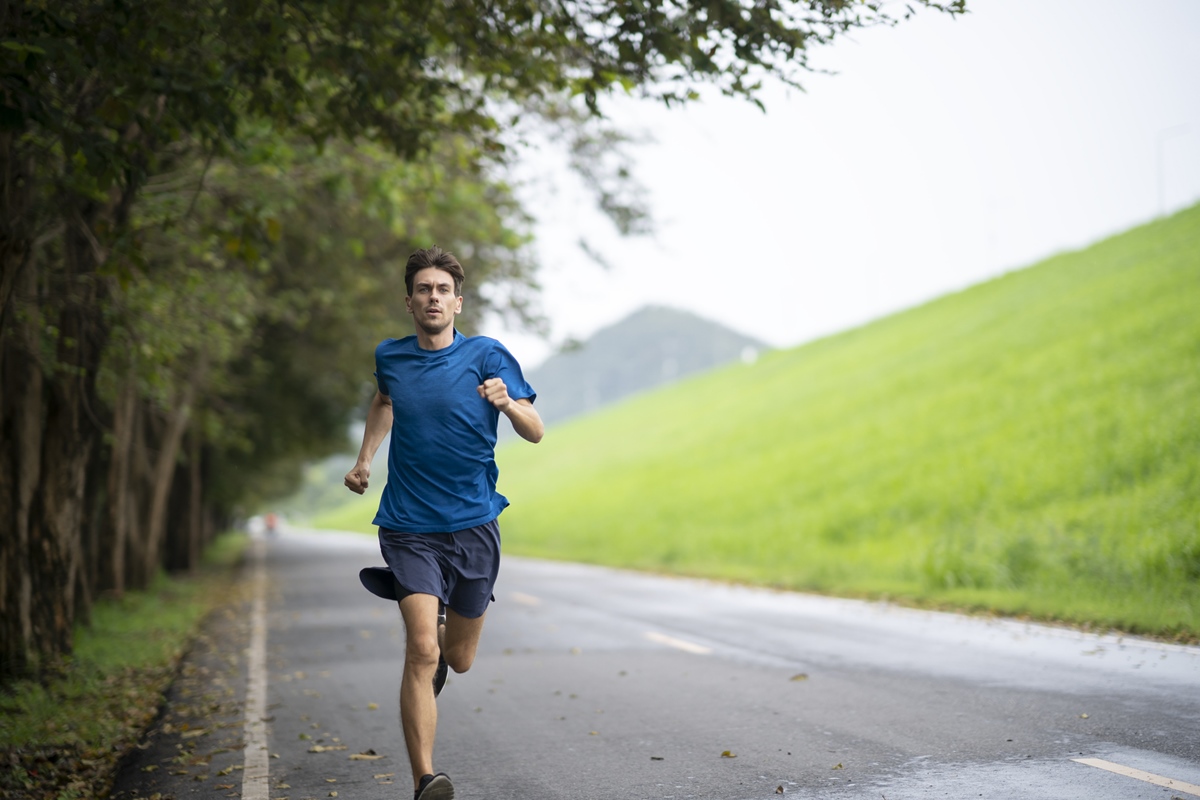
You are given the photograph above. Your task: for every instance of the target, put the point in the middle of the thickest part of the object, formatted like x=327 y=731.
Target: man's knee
x=421 y=652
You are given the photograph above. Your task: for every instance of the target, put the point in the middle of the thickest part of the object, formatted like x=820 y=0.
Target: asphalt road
x=595 y=683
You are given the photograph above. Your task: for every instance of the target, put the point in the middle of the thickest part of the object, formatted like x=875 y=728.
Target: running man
x=441 y=395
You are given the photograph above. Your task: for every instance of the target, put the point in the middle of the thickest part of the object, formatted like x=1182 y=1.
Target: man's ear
x=408 y=303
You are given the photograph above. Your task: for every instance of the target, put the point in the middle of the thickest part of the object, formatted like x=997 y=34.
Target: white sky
x=945 y=151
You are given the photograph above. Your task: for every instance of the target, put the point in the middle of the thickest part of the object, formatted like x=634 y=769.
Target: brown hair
x=434 y=257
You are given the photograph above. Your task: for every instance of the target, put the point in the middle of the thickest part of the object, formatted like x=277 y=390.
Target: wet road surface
x=595 y=683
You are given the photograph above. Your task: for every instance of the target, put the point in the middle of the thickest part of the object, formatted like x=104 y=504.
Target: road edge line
x=256 y=765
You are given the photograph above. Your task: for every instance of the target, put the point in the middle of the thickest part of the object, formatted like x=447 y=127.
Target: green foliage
x=74 y=726
x=1028 y=445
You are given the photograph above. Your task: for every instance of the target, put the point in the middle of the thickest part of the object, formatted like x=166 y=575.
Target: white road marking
x=1148 y=777
x=256 y=758
x=679 y=644
x=525 y=599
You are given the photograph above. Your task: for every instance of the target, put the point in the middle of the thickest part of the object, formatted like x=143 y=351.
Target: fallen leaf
x=799 y=676
x=150 y=768
x=779 y=789
x=224 y=785
x=656 y=758
x=728 y=754
x=839 y=766
x=333 y=794
x=370 y=755
x=385 y=775
x=1083 y=716
x=326 y=748
x=372 y=706
x=593 y=733
x=331 y=780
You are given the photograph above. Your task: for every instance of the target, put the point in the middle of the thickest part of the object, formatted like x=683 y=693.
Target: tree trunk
x=21 y=427
x=162 y=477
x=70 y=434
x=111 y=552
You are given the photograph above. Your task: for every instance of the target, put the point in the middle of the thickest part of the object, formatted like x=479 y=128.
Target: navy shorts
x=458 y=568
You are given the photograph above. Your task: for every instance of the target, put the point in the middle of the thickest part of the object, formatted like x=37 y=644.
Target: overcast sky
x=945 y=151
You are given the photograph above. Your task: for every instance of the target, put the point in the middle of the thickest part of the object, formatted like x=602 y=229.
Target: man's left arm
x=526 y=421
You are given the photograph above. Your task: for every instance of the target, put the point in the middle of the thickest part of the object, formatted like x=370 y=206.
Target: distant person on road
x=441 y=395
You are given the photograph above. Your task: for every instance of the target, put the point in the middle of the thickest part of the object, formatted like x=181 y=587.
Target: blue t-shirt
x=441 y=462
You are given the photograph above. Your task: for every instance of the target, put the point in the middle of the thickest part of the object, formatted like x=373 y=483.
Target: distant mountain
x=651 y=347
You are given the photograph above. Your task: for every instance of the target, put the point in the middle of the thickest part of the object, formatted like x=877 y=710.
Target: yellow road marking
x=678 y=644
x=1148 y=777
x=525 y=599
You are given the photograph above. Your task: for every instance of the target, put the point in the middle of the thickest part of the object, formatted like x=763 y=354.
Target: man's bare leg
x=461 y=640
x=418 y=708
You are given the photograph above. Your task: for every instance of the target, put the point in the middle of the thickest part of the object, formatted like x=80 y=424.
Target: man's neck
x=435 y=341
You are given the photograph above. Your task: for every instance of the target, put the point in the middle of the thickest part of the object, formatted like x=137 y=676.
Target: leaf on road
x=839 y=766
x=372 y=706
x=331 y=780
x=576 y=651
x=799 y=676
x=366 y=755
x=728 y=754
x=1083 y=716
x=593 y=733
x=325 y=748
x=657 y=758
x=385 y=775
x=779 y=789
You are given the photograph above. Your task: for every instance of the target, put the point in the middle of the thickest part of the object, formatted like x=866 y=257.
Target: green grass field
x=1029 y=446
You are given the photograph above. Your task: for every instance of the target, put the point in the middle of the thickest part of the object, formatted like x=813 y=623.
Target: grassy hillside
x=1030 y=445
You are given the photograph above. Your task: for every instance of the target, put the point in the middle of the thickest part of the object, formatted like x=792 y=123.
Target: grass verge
x=61 y=739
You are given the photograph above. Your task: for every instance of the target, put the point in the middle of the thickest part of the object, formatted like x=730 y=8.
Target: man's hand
x=495 y=392
x=356 y=479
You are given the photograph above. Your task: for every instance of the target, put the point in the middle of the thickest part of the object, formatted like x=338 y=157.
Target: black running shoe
x=439 y=677
x=435 y=787
x=443 y=669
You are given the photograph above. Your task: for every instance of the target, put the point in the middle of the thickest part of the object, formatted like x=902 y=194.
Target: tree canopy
x=204 y=208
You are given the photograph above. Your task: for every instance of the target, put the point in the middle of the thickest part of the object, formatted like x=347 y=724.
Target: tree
x=116 y=373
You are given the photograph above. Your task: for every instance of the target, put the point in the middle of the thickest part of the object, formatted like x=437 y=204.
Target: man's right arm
x=379 y=422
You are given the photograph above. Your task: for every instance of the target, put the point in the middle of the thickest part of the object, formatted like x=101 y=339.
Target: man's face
x=433 y=303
